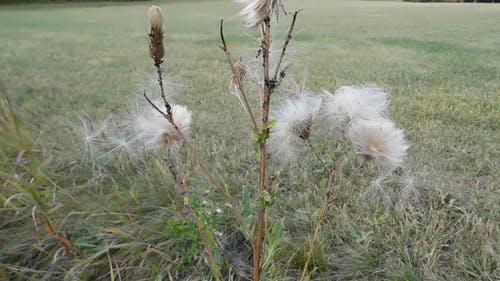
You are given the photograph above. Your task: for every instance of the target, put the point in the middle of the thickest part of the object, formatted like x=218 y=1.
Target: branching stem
x=285 y=45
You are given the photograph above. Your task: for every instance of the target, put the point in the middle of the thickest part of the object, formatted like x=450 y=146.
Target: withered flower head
x=239 y=73
x=303 y=129
x=156 y=19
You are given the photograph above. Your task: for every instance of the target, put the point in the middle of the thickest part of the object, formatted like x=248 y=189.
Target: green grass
x=441 y=63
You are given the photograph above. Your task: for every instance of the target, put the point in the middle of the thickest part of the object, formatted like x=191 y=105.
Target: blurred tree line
x=456 y=1
x=60 y=1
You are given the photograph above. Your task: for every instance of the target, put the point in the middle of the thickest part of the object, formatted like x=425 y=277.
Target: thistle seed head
x=156 y=17
x=303 y=129
x=294 y=121
x=156 y=49
x=353 y=102
x=154 y=131
x=379 y=140
x=257 y=11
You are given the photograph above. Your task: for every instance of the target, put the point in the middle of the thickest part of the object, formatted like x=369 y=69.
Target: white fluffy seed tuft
x=352 y=102
x=91 y=135
x=155 y=131
x=379 y=140
x=156 y=17
x=257 y=10
x=294 y=122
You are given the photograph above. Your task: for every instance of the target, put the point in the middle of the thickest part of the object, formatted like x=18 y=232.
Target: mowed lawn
x=439 y=61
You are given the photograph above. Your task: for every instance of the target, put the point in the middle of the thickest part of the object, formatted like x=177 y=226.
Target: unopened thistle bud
x=156 y=19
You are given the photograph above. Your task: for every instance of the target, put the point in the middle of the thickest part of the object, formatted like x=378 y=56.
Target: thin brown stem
x=285 y=45
x=178 y=176
x=204 y=167
x=162 y=91
x=317 y=155
x=259 y=239
x=328 y=197
x=234 y=70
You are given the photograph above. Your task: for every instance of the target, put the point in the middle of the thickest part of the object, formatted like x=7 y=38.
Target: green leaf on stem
x=262 y=136
x=266 y=199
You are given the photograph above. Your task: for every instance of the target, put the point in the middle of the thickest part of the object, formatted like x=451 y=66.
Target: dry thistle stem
x=156 y=49
x=239 y=71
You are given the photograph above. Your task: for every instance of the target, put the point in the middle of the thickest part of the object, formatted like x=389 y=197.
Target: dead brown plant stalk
x=285 y=45
x=157 y=52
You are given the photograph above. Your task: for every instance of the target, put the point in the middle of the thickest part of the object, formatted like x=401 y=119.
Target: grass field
x=441 y=63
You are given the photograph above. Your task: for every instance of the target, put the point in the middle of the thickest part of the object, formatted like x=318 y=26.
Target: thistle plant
x=259 y=13
x=359 y=113
x=175 y=120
